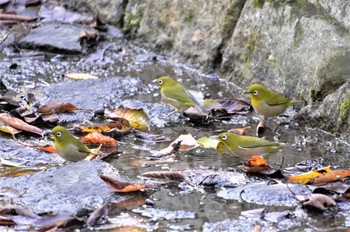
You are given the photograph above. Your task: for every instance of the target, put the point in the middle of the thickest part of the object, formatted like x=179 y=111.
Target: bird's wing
x=248 y=142
x=275 y=99
x=83 y=148
x=179 y=93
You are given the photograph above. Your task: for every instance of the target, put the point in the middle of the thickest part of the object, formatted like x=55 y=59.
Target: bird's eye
x=224 y=137
x=58 y=134
x=255 y=92
x=160 y=82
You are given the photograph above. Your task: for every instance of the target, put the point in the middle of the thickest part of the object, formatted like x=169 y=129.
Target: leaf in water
x=21 y=125
x=319 y=201
x=9 y=163
x=208 y=142
x=98 y=138
x=98 y=216
x=122 y=187
x=56 y=108
x=48 y=148
x=102 y=128
x=81 y=76
x=182 y=143
x=167 y=175
x=137 y=118
x=147 y=137
x=308 y=177
x=227 y=106
x=334 y=175
x=18 y=171
x=256 y=164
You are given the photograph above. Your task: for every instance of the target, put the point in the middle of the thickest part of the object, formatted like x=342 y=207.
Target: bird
x=245 y=146
x=176 y=94
x=67 y=146
x=267 y=102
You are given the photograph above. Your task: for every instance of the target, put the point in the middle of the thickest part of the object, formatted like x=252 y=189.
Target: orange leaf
x=239 y=131
x=122 y=187
x=98 y=138
x=334 y=175
x=256 y=164
x=56 y=107
x=48 y=148
x=21 y=125
x=102 y=128
x=305 y=178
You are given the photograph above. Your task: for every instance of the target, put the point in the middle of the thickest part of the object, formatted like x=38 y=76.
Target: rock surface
x=298 y=48
x=67 y=188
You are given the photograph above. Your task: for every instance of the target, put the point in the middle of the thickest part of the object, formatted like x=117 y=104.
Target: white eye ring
x=160 y=82
x=224 y=137
x=58 y=134
x=255 y=92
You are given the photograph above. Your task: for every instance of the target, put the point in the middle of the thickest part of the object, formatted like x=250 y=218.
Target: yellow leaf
x=137 y=118
x=208 y=142
x=309 y=176
x=81 y=76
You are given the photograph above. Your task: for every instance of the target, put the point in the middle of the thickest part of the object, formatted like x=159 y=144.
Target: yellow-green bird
x=69 y=147
x=176 y=95
x=245 y=146
x=268 y=103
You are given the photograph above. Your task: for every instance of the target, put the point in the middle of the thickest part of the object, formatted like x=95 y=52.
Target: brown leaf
x=48 y=148
x=122 y=187
x=17 y=171
x=166 y=175
x=260 y=129
x=223 y=107
x=136 y=117
x=6 y=221
x=21 y=125
x=98 y=138
x=56 y=107
x=334 y=175
x=239 y=131
x=9 y=130
x=102 y=128
x=319 y=201
x=308 y=177
x=182 y=143
x=99 y=214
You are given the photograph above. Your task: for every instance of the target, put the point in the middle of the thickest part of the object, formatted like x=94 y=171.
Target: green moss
x=258 y=3
x=344 y=109
x=312 y=92
x=249 y=48
x=132 y=20
x=189 y=16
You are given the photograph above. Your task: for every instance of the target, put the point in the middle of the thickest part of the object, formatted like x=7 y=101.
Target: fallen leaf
x=98 y=138
x=320 y=176
x=137 y=118
x=122 y=187
x=147 y=137
x=260 y=129
x=8 y=163
x=256 y=164
x=319 y=201
x=222 y=107
x=21 y=125
x=182 y=143
x=102 y=128
x=81 y=76
x=9 y=130
x=17 y=171
x=166 y=175
x=48 y=148
x=98 y=215
x=239 y=131
x=56 y=107
x=208 y=142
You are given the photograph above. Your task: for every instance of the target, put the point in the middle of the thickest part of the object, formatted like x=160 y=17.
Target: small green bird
x=67 y=146
x=268 y=103
x=245 y=146
x=176 y=94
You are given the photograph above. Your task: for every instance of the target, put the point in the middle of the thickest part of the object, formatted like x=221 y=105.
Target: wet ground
x=125 y=73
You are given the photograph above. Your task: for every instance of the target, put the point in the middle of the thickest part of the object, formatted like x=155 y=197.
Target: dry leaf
x=166 y=175
x=56 y=107
x=48 y=148
x=17 y=171
x=239 y=131
x=102 y=128
x=21 y=125
x=334 y=175
x=98 y=138
x=122 y=187
x=81 y=76
x=9 y=130
x=137 y=118
x=319 y=201
x=182 y=143
x=309 y=177
x=99 y=214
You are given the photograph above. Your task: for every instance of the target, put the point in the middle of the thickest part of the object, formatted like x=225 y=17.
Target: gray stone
x=67 y=188
x=56 y=38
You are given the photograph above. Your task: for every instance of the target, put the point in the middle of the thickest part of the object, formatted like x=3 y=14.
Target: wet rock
x=156 y=214
x=67 y=188
x=61 y=38
x=265 y=194
x=236 y=225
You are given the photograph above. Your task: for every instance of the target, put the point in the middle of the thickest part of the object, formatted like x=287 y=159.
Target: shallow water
x=301 y=143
